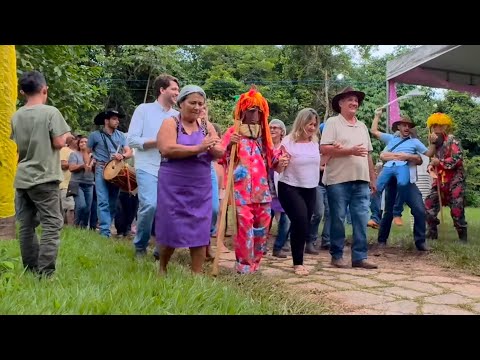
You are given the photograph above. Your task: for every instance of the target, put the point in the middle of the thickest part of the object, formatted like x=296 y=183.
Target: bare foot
x=300 y=270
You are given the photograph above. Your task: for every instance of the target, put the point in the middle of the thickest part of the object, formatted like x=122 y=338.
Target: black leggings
x=299 y=204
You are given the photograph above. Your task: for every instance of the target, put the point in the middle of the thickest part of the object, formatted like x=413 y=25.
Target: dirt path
x=404 y=283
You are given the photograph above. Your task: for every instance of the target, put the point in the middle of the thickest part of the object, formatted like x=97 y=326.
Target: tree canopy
x=85 y=79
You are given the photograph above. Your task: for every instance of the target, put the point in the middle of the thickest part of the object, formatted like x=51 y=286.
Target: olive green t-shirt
x=33 y=128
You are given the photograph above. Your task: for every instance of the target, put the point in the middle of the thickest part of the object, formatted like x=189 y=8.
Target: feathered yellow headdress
x=439 y=119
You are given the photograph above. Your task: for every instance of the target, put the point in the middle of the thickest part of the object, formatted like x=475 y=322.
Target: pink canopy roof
x=454 y=67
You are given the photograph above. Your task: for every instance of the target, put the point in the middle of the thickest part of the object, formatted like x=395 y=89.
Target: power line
x=266 y=82
x=217 y=88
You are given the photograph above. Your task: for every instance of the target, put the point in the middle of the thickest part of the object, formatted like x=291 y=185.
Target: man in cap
x=255 y=156
x=449 y=173
x=405 y=147
x=106 y=144
x=142 y=135
x=347 y=176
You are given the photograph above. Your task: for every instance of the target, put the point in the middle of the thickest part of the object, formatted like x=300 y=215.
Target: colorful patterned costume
x=251 y=186
x=451 y=177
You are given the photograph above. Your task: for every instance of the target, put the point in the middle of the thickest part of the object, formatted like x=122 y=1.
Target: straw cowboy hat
x=344 y=93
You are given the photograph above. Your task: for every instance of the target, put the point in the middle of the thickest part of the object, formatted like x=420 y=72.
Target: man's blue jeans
x=356 y=195
x=376 y=207
x=321 y=210
x=107 y=195
x=94 y=211
x=282 y=232
x=147 y=206
x=414 y=201
x=402 y=174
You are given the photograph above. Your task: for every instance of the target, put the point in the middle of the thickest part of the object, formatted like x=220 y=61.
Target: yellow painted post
x=8 y=149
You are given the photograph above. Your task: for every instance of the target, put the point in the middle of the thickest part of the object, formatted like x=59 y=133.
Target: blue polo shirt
x=96 y=143
x=410 y=146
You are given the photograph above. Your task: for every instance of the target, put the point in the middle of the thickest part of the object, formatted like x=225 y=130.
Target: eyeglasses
x=275 y=127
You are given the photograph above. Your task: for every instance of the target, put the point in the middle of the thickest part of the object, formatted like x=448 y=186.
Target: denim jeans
x=399 y=201
x=283 y=228
x=107 y=195
x=376 y=207
x=147 y=206
x=414 y=201
x=215 y=200
x=402 y=175
x=321 y=210
x=93 y=211
x=326 y=218
x=356 y=195
x=83 y=204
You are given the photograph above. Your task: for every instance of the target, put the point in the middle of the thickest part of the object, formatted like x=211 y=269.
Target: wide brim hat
x=404 y=120
x=107 y=114
x=344 y=93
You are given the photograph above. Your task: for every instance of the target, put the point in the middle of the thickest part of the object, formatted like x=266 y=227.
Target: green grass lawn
x=100 y=276
x=448 y=250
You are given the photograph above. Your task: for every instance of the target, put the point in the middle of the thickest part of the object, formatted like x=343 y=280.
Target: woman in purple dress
x=184 y=201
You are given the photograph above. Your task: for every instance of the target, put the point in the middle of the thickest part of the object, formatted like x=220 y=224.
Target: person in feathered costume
x=255 y=156
x=447 y=169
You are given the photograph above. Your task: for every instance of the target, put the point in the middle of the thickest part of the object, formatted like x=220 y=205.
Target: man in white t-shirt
x=348 y=175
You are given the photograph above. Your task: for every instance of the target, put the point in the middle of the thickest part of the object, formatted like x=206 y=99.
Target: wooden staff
x=228 y=192
x=439 y=184
x=439 y=194
x=442 y=229
x=234 y=210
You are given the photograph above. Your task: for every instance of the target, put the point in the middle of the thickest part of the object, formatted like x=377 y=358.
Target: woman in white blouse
x=298 y=182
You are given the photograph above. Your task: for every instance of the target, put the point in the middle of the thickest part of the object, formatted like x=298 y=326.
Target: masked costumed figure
x=449 y=174
x=254 y=158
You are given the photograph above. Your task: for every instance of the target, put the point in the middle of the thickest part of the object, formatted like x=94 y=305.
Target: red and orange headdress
x=249 y=100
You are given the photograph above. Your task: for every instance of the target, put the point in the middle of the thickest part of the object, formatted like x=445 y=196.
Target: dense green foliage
x=85 y=79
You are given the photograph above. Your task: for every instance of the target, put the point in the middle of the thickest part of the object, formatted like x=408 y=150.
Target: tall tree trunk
x=8 y=149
